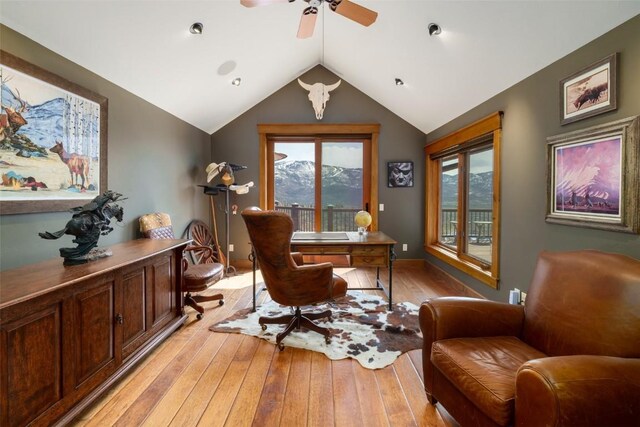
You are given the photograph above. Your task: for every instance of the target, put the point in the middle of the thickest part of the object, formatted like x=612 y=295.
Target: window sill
x=473 y=270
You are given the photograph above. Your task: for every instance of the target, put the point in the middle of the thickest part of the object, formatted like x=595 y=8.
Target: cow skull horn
x=319 y=95
x=305 y=85
x=333 y=86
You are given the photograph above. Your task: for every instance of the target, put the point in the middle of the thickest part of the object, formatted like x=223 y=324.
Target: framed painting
x=400 y=174
x=590 y=91
x=53 y=140
x=593 y=178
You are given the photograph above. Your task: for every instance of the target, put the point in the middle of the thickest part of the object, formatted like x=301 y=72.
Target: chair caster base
x=221 y=302
x=281 y=347
x=264 y=327
x=199 y=316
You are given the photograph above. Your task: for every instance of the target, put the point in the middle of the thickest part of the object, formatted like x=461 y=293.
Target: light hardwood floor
x=198 y=377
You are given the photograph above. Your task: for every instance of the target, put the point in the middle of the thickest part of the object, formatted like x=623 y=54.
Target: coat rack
x=229 y=269
x=226 y=172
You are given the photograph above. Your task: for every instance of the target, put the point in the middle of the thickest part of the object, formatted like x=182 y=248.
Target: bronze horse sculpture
x=87 y=224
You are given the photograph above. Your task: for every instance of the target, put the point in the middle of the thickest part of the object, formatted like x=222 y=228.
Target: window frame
x=310 y=132
x=462 y=142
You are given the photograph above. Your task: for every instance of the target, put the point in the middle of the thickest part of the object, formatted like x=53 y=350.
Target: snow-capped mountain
x=480 y=190
x=45 y=123
x=294 y=180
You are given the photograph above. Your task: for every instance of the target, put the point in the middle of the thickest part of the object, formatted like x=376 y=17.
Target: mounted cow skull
x=319 y=95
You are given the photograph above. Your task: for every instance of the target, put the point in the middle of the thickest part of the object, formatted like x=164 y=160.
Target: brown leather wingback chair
x=195 y=277
x=569 y=357
x=288 y=281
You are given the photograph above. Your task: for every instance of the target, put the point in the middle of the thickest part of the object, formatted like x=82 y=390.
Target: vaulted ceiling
x=146 y=48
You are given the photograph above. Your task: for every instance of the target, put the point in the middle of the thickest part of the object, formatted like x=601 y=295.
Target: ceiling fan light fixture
x=434 y=29
x=196 y=28
x=236 y=81
x=399 y=82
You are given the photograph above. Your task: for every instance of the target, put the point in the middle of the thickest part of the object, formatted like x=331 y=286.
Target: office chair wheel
x=327 y=340
x=199 y=316
x=221 y=302
x=281 y=347
x=264 y=327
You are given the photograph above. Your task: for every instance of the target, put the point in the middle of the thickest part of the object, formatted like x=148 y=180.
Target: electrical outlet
x=381 y=207
x=523 y=297
x=405 y=247
x=230 y=247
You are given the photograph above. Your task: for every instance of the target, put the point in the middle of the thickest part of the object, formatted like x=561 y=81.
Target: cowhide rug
x=362 y=327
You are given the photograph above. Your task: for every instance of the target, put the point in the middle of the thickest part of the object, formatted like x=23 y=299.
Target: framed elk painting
x=589 y=92
x=53 y=140
x=593 y=178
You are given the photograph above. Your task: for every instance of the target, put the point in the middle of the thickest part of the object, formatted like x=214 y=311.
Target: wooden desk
x=375 y=249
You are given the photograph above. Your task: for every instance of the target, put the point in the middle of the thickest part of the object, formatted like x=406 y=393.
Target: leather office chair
x=288 y=281
x=569 y=357
x=195 y=277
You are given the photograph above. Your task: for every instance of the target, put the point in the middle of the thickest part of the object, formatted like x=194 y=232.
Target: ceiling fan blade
x=307 y=23
x=357 y=13
x=253 y=3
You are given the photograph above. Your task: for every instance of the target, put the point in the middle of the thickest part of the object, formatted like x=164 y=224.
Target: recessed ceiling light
x=434 y=29
x=399 y=82
x=236 y=81
x=196 y=28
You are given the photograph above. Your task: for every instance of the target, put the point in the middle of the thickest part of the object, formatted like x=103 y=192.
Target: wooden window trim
x=489 y=125
x=370 y=132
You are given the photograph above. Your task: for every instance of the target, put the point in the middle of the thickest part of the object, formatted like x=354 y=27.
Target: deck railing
x=333 y=219
x=341 y=219
x=449 y=223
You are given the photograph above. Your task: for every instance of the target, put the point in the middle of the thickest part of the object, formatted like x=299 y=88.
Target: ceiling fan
x=346 y=8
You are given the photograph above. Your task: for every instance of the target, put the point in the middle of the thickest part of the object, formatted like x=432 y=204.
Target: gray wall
x=237 y=142
x=154 y=159
x=531 y=114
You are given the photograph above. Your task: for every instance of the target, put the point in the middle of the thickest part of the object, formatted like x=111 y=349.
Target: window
x=463 y=199
x=321 y=175
x=320 y=182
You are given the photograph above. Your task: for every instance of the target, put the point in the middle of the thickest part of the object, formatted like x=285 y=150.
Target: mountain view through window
x=339 y=192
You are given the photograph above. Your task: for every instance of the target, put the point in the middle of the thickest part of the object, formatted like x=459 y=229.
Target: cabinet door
x=31 y=370
x=134 y=324
x=161 y=292
x=94 y=333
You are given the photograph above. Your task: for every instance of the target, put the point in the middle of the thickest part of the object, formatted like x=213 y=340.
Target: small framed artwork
x=593 y=178
x=53 y=140
x=590 y=91
x=400 y=174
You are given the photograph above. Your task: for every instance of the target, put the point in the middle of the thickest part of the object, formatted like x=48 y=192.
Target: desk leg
x=252 y=258
x=392 y=257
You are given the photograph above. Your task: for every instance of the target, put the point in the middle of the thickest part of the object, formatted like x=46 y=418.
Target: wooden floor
x=198 y=377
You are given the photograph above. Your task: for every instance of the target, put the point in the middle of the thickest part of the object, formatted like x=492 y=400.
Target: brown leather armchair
x=569 y=357
x=288 y=281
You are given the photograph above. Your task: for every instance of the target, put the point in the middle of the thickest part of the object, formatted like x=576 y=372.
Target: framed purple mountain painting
x=593 y=177
x=53 y=140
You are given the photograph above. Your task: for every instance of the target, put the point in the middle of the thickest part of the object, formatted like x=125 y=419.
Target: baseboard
x=455 y=284
x=409 y=263
x=241 y=264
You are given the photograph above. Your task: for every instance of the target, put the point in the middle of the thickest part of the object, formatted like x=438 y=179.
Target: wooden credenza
x=68 y=333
